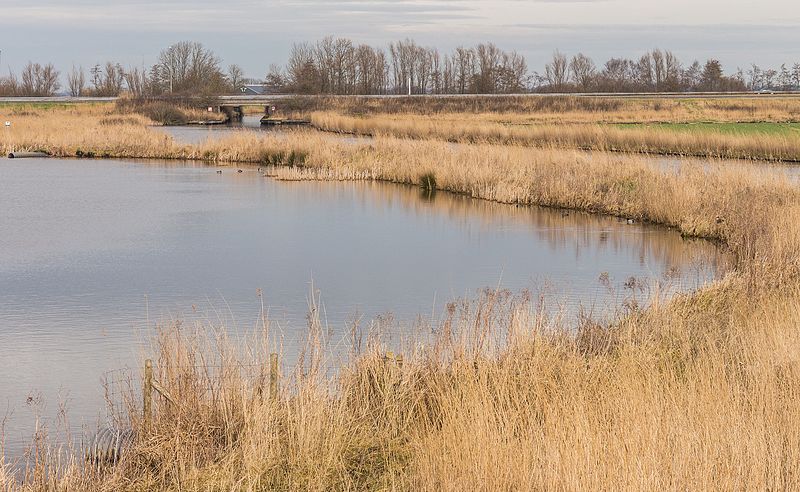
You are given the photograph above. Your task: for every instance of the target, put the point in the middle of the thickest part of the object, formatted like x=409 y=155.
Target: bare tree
x=275 y=78
x=9 y=86
x=138 y=82
x=755 y=77
x=464 y=69
x=235 y=76
x=556 y=72
x=583 y=71
x=513 y=76
x=796 y=76
x=39 y=80
x=108 y=81
x=302 y=72
x=617 y=75
x=76 y=81
x=784 y=78
x=189 y=67
x=489 y=58
x=370 y=70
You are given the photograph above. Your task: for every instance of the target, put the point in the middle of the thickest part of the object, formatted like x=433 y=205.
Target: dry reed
x=467 y=129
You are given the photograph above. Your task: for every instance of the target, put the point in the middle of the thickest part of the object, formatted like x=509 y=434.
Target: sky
x=257 y=33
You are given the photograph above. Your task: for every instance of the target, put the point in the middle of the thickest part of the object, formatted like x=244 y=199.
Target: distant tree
x=711 y=79
x=275 y=78
x=188 y=67
x=138 y=82
x=658 y=71
x=756 y=79
x=617 y=75
x=96 y=73
x=39 y=80
x=235 y=77
x=645 y=73
x=556 y=72
x=796 y=76
x=692 y=76
x=109 y=80
x=583 y=71
x=489 y=60
x=370 y=70
x=464 y=69
x=769 y=77
x=784 y=81
x=302 y=73
x=9 y=86
x=76 y=81
x=513 y=76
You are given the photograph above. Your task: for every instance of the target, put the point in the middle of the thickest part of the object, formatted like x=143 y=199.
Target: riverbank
x=642 y=139
x=695 y=393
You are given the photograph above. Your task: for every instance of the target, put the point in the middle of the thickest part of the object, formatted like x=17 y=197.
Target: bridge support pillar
x=233 y=113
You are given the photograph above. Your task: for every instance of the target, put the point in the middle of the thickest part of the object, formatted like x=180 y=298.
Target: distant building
x=258 y=90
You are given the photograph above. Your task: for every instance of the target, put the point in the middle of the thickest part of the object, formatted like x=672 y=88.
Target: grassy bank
x=698 y=393
x=561 y=109
x=646 y=139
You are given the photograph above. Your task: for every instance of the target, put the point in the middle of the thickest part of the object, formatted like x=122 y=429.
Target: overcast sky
x=256 y=33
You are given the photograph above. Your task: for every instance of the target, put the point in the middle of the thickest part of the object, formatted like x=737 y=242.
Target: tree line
x=339 y=66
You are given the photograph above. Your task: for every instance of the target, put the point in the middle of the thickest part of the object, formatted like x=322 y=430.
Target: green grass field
x=725 y=128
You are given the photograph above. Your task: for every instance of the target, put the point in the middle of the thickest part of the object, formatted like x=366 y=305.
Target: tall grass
x=647 y=140
x=696 y=394
x=561 y=109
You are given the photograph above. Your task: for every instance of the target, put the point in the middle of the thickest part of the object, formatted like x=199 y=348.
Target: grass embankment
x=698 y=393
x=560 y=109
x=650 y=139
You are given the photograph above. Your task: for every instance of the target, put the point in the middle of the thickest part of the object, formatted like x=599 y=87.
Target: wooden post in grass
x=273 y=375
x=147 y=394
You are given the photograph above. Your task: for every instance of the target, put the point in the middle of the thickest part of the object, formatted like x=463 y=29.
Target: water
x=93 y=253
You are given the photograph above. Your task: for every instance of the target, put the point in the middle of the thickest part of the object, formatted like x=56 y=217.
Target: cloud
x=254 y=33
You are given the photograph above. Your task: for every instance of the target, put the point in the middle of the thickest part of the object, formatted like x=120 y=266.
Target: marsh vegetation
x=695 y=392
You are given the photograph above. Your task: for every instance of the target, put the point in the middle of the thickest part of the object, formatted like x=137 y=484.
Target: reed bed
x=467 y=129
x=699 y=392
x=560 y=109
x=696 y=394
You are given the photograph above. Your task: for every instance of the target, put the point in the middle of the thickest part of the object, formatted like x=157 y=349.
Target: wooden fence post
x=147 y=394
x=273 y=375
